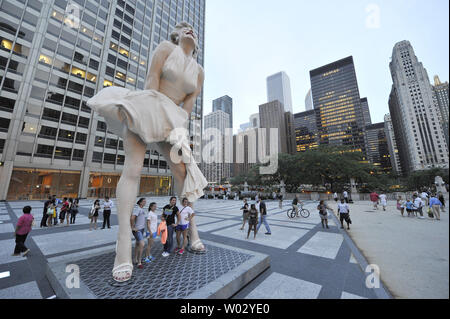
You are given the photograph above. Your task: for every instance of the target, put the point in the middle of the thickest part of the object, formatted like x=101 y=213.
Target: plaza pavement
x=307 y=262
x=412 y=253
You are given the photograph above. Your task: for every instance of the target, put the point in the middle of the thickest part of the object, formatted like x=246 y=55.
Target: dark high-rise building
x=225 y=104
x=336 y=99
x=377 y=147
x=306 y=133
x=54 y=56
x=366 y=112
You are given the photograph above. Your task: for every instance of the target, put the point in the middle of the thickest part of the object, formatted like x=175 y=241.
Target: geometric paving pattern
x=172 y=277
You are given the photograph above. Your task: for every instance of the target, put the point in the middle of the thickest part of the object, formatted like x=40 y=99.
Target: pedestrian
x=74 y=210
x=345 y=194
x=64 y=211
x=401 y=205
x=323 y=213
x=274 y=196
x=280 y=198
x=44 y=213
x=374 y=198
x=152 y=228
x=442 y=200
x=435 y=205
x=383 y=201
x=93 y=214
x=252 y=221
x=186 y=214
x=107 y=206
x=409 y=207
x=245 y=212
x=56 y=203
x=170 y=212
x=424 y=196
x=138 y=219
x=335 y=196
x=51 y=211
x=344 y=214
x=23 y=228
x=263 y=212
x=418 y=205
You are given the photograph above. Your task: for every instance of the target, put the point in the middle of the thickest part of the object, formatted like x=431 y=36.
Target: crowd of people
x=68 y=210
x=255 y=215
x=414 y=206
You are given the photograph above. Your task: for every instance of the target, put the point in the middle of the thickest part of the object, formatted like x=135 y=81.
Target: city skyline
x=272 y=50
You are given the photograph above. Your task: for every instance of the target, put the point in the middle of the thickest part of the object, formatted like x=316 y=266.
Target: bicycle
x=301 y=212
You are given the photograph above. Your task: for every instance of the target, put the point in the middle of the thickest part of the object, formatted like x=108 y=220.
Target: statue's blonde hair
x=175 y=36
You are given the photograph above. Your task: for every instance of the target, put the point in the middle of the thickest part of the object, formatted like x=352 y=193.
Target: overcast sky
x=248 y=40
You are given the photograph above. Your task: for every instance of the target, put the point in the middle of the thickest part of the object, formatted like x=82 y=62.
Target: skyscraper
x=218 y=170
x=415 y=115
x=377 y=147
x=440 y=91
x=272 y=115
x=337 y=102
x=392 y=144
x=306 y=132
x=366 y=112
x=55 y=55
x=309 y=102
x=279 y=89
x=225 y=103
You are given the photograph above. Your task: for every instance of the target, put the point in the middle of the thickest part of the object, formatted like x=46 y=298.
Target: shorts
x=181 y=227
x=323 y=217
x=245 y=216
x=152 y=235
x=253 y=221
x=139 y=235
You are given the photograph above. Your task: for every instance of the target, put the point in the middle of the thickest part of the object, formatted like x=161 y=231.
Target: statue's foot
x=122 y=272
x=197 y=246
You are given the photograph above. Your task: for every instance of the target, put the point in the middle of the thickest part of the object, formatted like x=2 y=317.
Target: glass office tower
x=54 y=56
x=337 y=102
x=225 y=104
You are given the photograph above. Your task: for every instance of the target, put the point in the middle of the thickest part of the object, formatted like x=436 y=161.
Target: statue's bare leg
x=127 y=190
x=178 y=170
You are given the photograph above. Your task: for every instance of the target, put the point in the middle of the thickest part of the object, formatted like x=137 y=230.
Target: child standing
x=322 y=207
x=152 y=227
x=409 y=207
x=252 y=221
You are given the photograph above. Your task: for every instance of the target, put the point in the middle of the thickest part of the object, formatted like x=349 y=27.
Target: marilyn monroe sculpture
x=150 y=116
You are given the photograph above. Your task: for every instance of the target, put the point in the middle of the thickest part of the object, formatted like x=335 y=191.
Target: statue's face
x=188 y=33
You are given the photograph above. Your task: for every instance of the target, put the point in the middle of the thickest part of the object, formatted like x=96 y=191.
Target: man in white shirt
x=345 y=196
x=418 y=205
x=335 y=196
x=383 y=201
x=424 y=197
x=107 y=206
x=344 y=214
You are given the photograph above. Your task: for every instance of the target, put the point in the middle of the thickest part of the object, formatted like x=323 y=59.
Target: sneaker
x=421 y=217
x=152 y=258
x=147 y=260
x=181 y=252
x=176 y=250
x=165 y=254
x=25 y=252
x=268 y=233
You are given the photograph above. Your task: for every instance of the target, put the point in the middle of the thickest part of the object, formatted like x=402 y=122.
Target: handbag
x=49 y=211
x=430 y=213
x=91 y=213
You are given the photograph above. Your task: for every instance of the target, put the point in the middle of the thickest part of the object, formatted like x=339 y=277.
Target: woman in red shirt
x=23 y=228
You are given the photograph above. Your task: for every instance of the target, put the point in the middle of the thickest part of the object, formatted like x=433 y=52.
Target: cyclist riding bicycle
x=295 y=203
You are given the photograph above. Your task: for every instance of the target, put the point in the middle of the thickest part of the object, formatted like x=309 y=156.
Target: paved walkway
x=412 y=253
x=306 y=260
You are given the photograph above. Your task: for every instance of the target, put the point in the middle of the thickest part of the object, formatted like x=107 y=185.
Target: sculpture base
x=219 y=273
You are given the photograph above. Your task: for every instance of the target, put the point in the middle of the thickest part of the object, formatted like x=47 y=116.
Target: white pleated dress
x=155 y=117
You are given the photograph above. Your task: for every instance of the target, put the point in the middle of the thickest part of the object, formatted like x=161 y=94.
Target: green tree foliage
x=424 y=179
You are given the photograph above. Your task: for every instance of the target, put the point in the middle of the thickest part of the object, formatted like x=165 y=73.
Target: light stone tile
x=210 y=227
x=5 y=218
x=323 y=244
x=347 y=295
x=200 y=220
x=279 y=286
x=27 y=290
x=73 y=240
x=282 y=237
x=6 y=228
x=6 y=250
x=289 y=224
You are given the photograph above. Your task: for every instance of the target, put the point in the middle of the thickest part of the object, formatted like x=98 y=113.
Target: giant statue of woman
x=150 y=116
